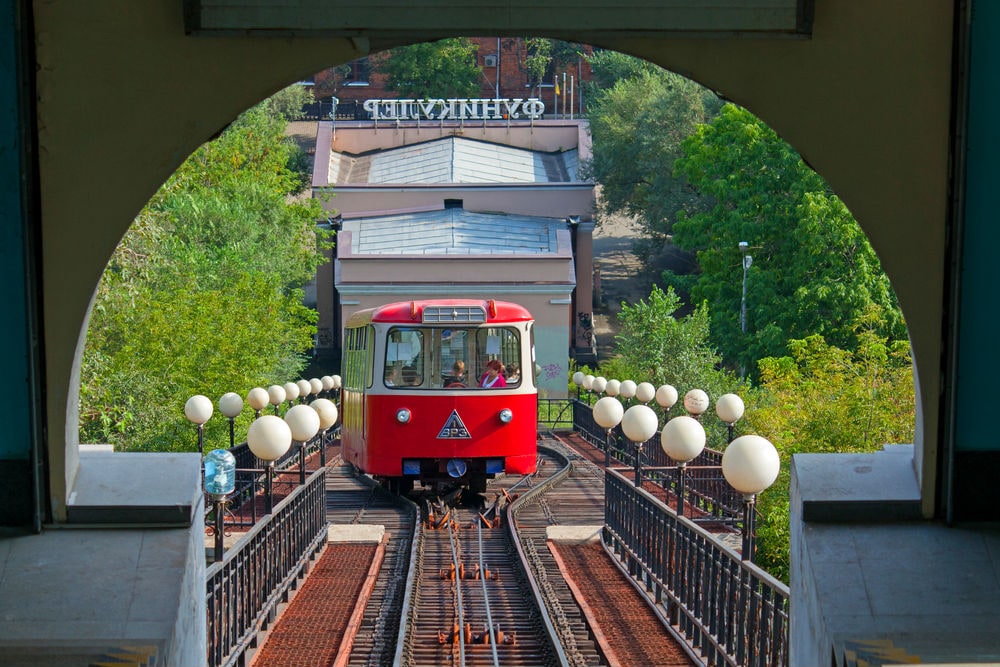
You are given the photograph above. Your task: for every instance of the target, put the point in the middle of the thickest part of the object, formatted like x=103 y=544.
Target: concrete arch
x=124 y=95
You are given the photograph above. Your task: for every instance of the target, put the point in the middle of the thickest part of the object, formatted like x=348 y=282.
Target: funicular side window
x=357 y=358
x=404 y=358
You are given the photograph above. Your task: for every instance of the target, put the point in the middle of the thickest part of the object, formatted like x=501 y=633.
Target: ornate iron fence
x=256 y=574
x=733 y=612
x=705 y=487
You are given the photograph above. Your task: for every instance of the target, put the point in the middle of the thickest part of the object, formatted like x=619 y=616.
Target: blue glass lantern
x=220 y=472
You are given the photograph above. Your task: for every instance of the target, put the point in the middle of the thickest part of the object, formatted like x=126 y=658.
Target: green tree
x=813 y=270
x=637 y=126
x=820 y=399
x=654 y=345
x=288 y=102
x=442 y=69
x=537 y=58
x=203 y=294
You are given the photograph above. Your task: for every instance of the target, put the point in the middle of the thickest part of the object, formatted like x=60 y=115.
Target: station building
x=479 y=209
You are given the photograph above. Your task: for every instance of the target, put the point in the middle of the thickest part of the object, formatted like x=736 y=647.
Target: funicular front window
x=450 y=357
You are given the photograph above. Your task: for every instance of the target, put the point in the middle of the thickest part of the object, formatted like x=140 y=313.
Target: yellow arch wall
x=124 y=96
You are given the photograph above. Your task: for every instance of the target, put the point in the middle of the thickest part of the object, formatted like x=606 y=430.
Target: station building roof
x=454 y=160
x=453 y=231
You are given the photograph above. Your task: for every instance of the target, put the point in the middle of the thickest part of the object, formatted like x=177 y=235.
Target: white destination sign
x=455 y=109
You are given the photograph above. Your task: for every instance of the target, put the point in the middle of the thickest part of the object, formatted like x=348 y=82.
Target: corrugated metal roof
x=453 y=232
x=455 y=160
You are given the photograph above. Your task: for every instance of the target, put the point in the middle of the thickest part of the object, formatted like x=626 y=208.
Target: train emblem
x=454 y=429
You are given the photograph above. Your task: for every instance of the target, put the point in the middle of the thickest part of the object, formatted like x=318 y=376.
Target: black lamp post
x=682 y=439
x=639 y=424
x=198 y=409
x=269 y=437
x=231 y=405
x=750 y=464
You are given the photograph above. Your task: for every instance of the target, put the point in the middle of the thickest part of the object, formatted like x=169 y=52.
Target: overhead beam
x=701 y=18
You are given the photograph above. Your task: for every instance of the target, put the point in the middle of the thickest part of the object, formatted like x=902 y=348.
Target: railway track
x=469 y=602
x=476 y=583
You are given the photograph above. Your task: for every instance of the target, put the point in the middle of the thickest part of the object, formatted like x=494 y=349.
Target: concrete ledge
x=879 y=486
x=136 y=488
x=574 y=534
x=356 y=533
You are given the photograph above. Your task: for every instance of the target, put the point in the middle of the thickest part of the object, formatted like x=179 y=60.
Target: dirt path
x=620 y=278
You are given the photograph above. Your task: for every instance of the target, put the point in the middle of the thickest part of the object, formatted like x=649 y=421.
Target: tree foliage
x=654 y=345
x=203 y=294
x=821 y=399
x=637 y=125
x=813 y=270
x=442 y=69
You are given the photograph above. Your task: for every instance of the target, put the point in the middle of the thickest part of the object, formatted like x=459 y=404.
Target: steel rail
x=550 y=627
x=486 y=597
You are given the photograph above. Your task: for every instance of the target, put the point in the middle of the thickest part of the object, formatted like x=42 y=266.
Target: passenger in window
x=457 y=376
x=410 y=377
x=512 y=374
x=393 y=377
x=493 y=377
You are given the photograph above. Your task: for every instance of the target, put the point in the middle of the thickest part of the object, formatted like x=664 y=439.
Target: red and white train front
x=440 y=391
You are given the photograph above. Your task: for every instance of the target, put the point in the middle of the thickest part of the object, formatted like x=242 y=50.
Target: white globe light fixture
x=292 y=392
x=639 y=424
x=327 y=381
x=750 y=464
x=608 y=413
x=644 y=392
x=276 y=396
x=730 y=409
x=269 y=437
x=682 y=439
x=258 y=399
x=198 y=409
x=327 y=411
x=231 y=405
x=613 y=388
x=316 y=385
x=599 y=384
x=627 y=389
x=588 y=382
x=666 y=396
x=696 y=402
x=336 y=381
x=304 y=424
x=305 y=388
x=578 y=381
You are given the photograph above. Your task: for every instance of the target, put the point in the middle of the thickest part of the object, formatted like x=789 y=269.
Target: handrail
x=244 y=589
x=729 y=609
x=704 y=487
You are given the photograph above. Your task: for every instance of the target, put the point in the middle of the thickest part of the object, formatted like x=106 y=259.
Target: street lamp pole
x=750 y=464
x=639 y=425
x=269 y=437
x=608 y=413
x=747 y=261
x=683 y=439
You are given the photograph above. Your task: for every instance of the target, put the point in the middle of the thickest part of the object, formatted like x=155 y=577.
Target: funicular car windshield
x=450 y=357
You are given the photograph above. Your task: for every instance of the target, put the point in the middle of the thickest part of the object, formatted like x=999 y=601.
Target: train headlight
x=506 y=415
x=403 y=415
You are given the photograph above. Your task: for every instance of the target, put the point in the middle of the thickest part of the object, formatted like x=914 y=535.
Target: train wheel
x=477 y=484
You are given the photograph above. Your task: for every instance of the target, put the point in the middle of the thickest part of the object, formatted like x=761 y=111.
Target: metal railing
x=556 y=414
x=241 y=503
x=730 y=610
x=256 y=573
x=705 y=487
